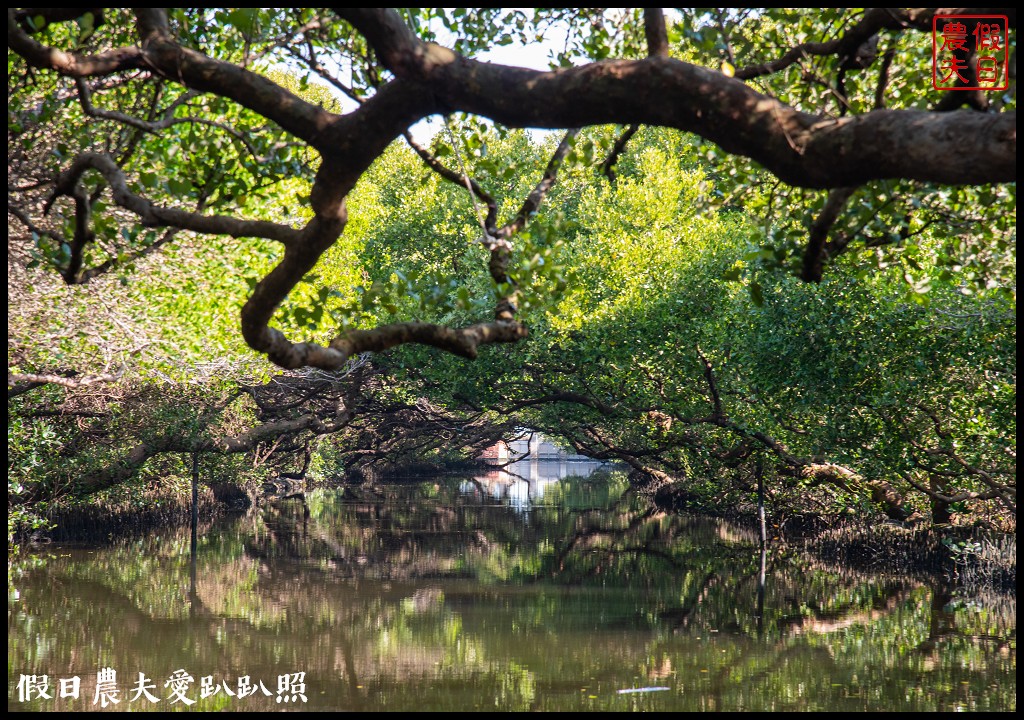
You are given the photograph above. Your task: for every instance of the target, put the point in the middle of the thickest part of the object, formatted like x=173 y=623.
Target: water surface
x=492 y=593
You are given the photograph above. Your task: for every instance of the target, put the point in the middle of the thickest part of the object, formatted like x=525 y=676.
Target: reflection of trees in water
x=398 y=589
x=704 y=565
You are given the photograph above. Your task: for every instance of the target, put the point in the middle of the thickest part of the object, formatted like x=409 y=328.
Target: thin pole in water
x=195 y=532
x=759 y=470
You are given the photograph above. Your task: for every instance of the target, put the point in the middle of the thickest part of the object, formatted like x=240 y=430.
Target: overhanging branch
x=155 y=216
x=800 y=148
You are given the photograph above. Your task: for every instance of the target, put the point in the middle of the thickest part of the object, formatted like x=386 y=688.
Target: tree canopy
x=193 y=117
x=707 y=237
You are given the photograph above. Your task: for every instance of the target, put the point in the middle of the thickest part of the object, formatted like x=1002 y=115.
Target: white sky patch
x=535 y=56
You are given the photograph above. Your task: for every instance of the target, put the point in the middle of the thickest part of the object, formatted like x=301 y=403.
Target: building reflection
x=526 y=466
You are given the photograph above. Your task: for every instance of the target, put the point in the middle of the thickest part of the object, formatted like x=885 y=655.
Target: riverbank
x=960 y=556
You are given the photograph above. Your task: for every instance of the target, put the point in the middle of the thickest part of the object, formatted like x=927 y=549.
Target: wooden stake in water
x=759 y=470
x=192 y=597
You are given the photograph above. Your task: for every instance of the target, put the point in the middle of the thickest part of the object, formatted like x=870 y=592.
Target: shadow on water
x=516 y=591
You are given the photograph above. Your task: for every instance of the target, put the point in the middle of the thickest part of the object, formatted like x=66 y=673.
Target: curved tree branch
x=162 y=55
x=70 y=64
x=151 y=215
x=800 y=148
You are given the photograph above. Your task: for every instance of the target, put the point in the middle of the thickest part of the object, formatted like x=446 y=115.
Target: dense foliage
x=669 y=352
x=769 y=295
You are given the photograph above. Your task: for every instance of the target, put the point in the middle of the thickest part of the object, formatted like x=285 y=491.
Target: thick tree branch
x=83 y=234
x=800 y=148
x=70 y=64
x=161 y=54
x=393 y=40
x=655 y=32
x=464 y=342
x=155 y=216
x=814 y=254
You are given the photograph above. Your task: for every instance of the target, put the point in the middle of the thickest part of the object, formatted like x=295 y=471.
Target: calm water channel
x=489 y=594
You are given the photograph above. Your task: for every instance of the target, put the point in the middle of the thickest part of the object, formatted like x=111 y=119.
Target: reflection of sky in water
x=522 y=483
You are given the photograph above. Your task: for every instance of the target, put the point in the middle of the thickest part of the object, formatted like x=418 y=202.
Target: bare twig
x=608 y=166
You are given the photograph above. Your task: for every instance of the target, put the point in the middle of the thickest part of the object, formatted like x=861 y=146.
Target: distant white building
x=528 y=465
x=533 y=447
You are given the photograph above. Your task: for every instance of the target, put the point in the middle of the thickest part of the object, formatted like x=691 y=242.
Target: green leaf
x=179 y=187
x=86 y=27
x=756 y=294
